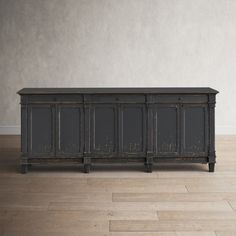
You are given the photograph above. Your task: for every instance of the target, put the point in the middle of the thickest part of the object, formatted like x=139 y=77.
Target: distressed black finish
x=91 y=125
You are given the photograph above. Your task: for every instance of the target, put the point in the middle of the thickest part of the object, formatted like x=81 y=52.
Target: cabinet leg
x=87 y=168
x=148 y=167
x=87 y=164
x=211 y=167
x=24 y=168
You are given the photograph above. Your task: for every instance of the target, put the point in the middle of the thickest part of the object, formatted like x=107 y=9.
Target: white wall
x=74 y=43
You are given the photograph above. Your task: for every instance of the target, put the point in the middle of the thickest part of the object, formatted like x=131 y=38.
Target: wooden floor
x=180 y=200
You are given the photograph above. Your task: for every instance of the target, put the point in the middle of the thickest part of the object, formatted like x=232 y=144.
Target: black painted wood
x=69 y=132
x=103 y=129
x=92 y=125
x=194 y=130
x=119 y=90
x=166 y=139
x=132 y=130
x=41 y=128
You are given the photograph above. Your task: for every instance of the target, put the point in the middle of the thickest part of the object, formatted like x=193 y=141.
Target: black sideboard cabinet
x=117 y=125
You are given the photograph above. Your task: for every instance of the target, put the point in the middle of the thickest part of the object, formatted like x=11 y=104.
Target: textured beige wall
x=56 y=43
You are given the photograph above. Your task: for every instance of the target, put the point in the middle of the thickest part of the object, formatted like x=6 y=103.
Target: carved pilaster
x=211 y=101
x=211 y=108
x=87 y=119
x=87 y=160
x=24 y=129
x=149 y=140
x=87 y=132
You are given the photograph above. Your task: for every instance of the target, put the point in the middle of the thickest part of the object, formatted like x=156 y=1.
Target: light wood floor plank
x=84 y=188
x=178 y=225
x=159 y=206
x=46 y=198
x=223 y=233
x=180 y=197
x=57 y=225
x=217 y=188
x=196 y=215
x=50 y=233
x=195 y=233
x=82 y=214
x=30 y=233
x=75 y=206
x=118 y=182
x=142 y=234
x=201 y=175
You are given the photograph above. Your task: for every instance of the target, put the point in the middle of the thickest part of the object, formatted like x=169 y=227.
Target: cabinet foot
x=87 y=168
x=148 y=167
x=24 y=168
x=211 y=167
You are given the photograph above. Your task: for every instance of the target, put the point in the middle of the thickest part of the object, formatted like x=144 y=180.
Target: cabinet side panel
x=211 y=110
x=69 y=129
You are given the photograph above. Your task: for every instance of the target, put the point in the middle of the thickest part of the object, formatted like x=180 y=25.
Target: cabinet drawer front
x=115 y=98
x=180 y=98
x=71 y=98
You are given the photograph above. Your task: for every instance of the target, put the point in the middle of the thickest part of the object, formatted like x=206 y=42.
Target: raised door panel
x=103 y=129
x=194 y=130
x=166 y=127
x=70 y=132
x=41 y=130
x=133 y=129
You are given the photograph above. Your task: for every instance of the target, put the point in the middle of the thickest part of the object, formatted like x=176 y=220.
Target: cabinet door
x=41 y=130
x=103 y=129
x=194 y=123
x=69 y=129
x=166 y=130
x=132 y=129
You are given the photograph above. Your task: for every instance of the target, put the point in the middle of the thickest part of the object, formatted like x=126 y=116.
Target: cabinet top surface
x=120 y=90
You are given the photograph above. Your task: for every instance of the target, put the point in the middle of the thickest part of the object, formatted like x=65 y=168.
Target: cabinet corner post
x=24 y=164
x=211 y=150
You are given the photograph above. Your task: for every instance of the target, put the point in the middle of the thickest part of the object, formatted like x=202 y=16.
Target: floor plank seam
x=186 y=188
x=230 y=205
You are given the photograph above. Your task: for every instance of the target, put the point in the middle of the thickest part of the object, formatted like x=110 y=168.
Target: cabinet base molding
x=148 y=166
